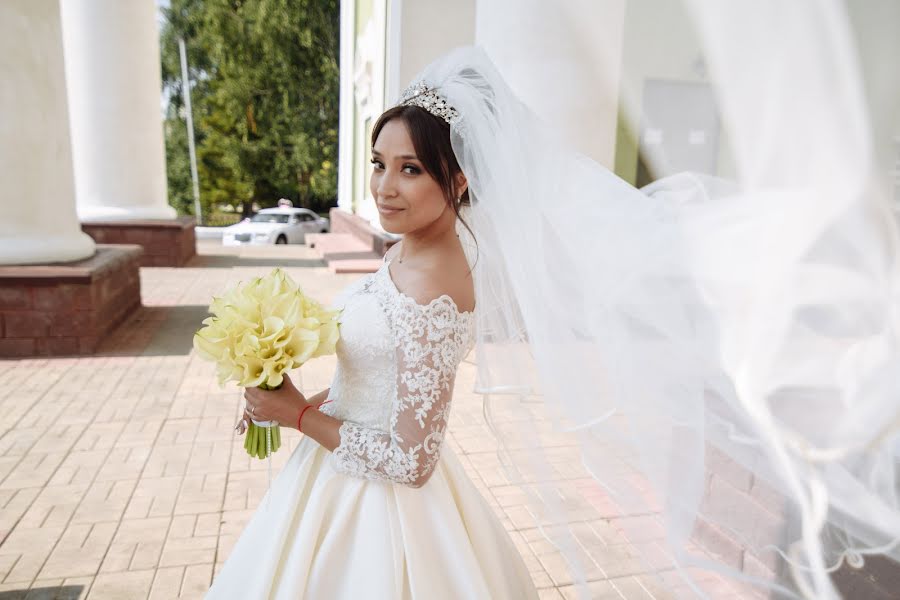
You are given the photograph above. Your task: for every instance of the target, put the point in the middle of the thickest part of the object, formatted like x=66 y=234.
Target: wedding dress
x=690 y=333
x=391 y=513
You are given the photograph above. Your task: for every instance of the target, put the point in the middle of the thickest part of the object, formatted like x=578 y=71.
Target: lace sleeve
x=430 y=341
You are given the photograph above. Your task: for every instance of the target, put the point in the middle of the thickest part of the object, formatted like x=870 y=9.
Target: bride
x=372 y=504
x=667 y=326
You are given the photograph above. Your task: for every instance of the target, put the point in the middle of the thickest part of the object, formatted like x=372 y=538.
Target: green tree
x=265 y=100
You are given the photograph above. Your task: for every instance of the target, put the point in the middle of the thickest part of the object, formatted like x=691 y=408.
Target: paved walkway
x=120 y=476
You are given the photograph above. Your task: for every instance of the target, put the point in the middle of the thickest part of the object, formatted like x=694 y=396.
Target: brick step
x=344 y=252
x=356 y=265
x=322 y=242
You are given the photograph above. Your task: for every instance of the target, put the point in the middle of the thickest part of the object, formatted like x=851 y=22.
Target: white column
x=563 y=59
x=37 y=194
x=114 y=83
x=346 y=126
x=370 y=62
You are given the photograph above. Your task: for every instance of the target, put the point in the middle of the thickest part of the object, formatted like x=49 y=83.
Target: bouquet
x=259 y=331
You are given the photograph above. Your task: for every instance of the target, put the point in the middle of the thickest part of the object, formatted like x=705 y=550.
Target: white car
x=275 y=226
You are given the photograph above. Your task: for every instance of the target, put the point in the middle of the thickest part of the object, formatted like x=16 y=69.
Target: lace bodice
x=397 y=361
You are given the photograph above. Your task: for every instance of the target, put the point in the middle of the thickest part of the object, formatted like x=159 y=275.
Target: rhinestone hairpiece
x=419 y=94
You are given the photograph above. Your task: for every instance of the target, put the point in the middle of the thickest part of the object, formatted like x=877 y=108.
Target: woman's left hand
x=282 y=405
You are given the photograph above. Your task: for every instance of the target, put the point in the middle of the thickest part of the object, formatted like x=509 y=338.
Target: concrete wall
x=876 y=24
x=659 y=43
x=426 y=29
x=563 y=60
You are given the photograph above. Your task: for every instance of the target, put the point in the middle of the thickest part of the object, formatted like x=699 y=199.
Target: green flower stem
x=255 y=440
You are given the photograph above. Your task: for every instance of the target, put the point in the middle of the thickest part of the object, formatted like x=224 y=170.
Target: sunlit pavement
x=121 y=477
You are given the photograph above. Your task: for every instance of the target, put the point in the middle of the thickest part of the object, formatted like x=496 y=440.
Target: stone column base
x=63 y=309
x=166 y=242
x=344 y=222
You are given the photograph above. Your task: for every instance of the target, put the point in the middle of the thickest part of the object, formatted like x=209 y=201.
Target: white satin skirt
x=321 y=534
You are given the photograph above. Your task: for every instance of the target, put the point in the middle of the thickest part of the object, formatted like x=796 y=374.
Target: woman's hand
x=282 y=405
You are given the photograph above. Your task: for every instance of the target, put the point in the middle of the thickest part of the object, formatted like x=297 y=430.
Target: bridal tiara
x=419 y=94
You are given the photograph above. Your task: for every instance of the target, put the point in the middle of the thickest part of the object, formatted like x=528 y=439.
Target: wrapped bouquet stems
x=263 y=437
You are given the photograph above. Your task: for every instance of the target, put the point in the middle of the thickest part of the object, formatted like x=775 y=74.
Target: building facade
x=625 y=82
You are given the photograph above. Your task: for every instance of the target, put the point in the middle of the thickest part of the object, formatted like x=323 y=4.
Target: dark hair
x=430 y=136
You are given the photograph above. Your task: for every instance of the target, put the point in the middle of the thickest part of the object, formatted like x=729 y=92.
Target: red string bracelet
x=299 y=420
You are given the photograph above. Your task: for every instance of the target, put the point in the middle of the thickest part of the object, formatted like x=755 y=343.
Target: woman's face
x=408 y=198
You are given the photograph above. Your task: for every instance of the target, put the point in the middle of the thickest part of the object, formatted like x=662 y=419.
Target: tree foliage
x=264 y=93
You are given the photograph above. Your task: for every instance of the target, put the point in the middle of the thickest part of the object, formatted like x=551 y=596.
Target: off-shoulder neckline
x=390 y=281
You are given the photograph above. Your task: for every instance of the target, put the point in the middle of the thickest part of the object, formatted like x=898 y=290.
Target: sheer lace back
x=397 y=362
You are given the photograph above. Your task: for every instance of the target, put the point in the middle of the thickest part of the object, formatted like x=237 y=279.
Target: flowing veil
x=711 y=345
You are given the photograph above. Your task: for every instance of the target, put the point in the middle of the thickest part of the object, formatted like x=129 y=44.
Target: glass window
x=269 y=218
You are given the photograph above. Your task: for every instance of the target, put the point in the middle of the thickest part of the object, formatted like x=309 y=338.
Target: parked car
x=275 y=226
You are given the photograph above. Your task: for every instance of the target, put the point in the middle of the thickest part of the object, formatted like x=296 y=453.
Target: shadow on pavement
x=65 y=592
x=175 y=335
x=155 y=331
x=224 y=261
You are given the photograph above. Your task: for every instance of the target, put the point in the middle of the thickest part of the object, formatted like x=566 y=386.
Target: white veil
x=713 y=347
